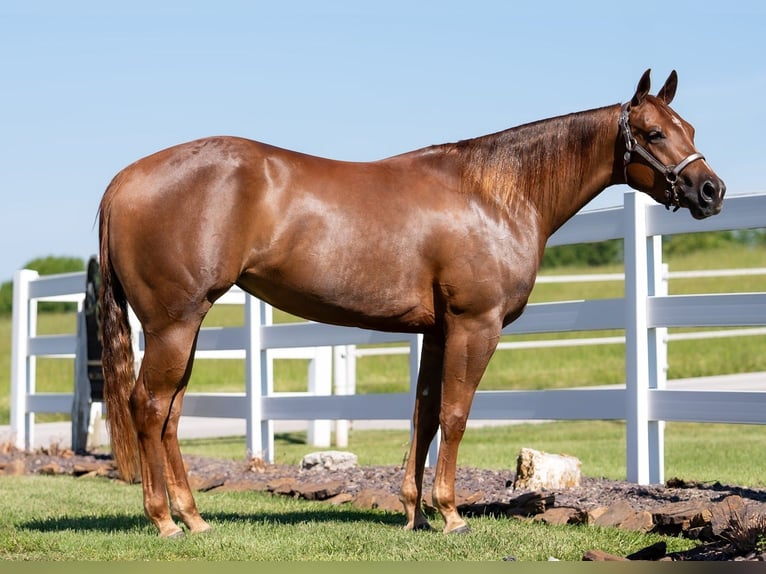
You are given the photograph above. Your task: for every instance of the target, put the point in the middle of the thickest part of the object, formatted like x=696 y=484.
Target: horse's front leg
x=425 y=423
x=468 y=349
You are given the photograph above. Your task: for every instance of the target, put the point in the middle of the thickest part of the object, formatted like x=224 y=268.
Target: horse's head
x=660 y=158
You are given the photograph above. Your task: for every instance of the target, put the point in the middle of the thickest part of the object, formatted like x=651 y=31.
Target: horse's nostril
x=708 y=192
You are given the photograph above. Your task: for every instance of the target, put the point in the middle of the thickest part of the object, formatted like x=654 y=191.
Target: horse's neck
x=551 y=168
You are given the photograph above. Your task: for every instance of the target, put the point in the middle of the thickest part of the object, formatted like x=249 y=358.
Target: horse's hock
x=538 y=470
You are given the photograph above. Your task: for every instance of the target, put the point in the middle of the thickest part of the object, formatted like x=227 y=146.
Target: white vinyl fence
x=644 y=313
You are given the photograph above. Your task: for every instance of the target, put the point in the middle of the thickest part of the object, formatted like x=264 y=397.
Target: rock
x=51 y=468
x=377 y=499
x=537 y=470
x=319 y=490
x=285 y=486
x=601 y=556
x=16 y=467
x=390 y=503
x=640 y=521
x=329 y=460
x=341 y=498
x=615 y=514
x=365 y=499
x=205 y=483
x=678 y=517
x=722 y=513
x=561 y=515
x=622 y=515
x=594 y=514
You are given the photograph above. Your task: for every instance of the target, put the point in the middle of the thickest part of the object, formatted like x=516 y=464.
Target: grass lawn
x=95 y=519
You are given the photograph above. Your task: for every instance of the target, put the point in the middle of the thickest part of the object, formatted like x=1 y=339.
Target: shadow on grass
x=123 y=523
x=103 y=523
x=290 y=438
x=344 y=516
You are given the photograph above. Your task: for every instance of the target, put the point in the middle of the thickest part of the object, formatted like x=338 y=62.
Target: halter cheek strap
x=671 y=172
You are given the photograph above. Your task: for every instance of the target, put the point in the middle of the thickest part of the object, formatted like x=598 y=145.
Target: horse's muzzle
x=705 y=199
x=711 y=193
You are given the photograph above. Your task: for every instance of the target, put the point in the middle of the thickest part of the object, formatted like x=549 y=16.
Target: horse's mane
x=532 y=162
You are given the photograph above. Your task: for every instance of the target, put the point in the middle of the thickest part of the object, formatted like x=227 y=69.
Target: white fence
x=644 y=313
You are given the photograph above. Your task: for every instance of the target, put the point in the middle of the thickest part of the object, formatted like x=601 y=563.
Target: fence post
x=22 y=374
x=22 y=365
x=644 y=355
x=658 y=359
x=344 y=374
x=81 y=403
x=258 y=383
x=320 y=384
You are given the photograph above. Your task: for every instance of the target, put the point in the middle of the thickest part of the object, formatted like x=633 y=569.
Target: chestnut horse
x=444 y=241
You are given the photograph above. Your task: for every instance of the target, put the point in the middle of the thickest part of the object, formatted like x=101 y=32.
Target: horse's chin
x=698 y=212
x=698 y=209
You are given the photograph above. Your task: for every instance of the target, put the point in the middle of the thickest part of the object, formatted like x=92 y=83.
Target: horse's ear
x=668 y=91
x=644 y=84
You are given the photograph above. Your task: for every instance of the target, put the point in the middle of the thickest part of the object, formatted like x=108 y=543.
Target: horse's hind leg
x=181 y=499
x=426 y=423
x=156 y=408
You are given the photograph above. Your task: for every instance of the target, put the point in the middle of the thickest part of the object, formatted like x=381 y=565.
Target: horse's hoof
x=178 y=534
x=465 y=529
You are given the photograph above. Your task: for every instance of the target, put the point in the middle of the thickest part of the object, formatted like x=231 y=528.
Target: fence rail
x=644 y=313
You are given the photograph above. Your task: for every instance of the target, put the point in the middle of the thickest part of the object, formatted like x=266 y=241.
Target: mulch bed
x=726 y=520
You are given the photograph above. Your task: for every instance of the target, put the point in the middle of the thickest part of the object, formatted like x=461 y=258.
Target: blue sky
x=89 y=87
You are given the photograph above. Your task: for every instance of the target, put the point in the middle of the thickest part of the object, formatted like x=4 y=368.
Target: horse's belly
x=374 y=305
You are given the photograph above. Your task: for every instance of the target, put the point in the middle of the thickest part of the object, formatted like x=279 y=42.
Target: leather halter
x=671 y=172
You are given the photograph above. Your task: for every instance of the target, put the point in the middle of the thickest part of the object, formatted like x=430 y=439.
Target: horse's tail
x=116 y=357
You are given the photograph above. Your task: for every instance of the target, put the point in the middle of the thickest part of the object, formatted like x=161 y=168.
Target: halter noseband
x=671 y=172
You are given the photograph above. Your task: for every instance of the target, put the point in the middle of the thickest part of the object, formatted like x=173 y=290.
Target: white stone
x=538 y=470
x=329 y=460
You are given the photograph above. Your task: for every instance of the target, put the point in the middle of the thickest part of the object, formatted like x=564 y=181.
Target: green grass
x=95 y=519
x=80 y=519
x=67 y=519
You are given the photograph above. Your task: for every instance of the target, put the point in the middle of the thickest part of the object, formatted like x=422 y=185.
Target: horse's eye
x=655 y=135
